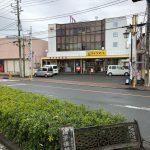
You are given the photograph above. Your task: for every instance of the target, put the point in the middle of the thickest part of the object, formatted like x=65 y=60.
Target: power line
x=29 y=4
x=142 y=24
x=6 y=18
x=77 y=12
x=7 y=26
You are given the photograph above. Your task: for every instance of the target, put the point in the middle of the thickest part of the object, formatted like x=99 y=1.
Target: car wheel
x=46 y=76
x=126 y=74
x=109 y=74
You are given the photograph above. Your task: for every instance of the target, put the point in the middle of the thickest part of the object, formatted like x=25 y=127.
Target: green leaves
x=33 y=121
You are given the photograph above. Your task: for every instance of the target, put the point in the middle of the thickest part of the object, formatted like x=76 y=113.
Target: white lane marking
x=7 y=80
x=19 y=84
x=132 y=107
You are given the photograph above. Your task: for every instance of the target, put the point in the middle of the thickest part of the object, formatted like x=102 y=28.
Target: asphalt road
x=133 y=104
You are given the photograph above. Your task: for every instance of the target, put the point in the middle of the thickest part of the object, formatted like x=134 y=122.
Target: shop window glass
x=88 y=29
x=75 y=31
x=71 y=39
x=88 y=38
x=75 y=39
x=88 y=45
x=63 y=47
x=98 y=45
x=92 y=38
x=75 y=46
x=115 y=44
x=115 y=34
x=98 y=37
x=71 y=31
x=79 y=39
x=58 y=40
x=58 y=47
x=58 y=33
x=63 y=32
x=79 y=46
x=71 y=47
x=67 y=32
x=93 y=46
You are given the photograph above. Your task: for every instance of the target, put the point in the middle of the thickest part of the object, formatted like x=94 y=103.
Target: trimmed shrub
x=32 y=121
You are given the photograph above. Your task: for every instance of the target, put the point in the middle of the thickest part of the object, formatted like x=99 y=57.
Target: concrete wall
x=9 y=52
x=113 y=27
x=52 y=38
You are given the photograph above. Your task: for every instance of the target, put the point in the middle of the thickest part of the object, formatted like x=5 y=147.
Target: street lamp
x=126 y=35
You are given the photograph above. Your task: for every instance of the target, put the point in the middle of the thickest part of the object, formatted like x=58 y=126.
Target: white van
x=54 y=67
x=117 y=70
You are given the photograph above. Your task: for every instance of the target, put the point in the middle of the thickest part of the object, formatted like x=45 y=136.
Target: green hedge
x=32 y=121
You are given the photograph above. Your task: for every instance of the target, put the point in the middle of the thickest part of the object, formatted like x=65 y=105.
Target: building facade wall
x=9 y=54
x=114 y=40
x=87 y=45
x=80 y=36
x=52 y=30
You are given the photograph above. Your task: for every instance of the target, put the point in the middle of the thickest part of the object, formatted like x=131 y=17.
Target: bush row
x=32 y=121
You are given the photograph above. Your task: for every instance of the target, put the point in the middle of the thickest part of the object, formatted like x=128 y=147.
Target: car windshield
x=54 y=67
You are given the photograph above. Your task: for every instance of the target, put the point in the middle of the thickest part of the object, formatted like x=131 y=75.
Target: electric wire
x=38 y=3
x=77 y=12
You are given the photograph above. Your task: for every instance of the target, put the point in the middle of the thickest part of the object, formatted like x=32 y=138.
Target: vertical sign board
x=67 y=138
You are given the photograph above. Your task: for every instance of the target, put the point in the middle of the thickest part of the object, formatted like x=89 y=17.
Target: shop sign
x=62 y=57
x=96 y=53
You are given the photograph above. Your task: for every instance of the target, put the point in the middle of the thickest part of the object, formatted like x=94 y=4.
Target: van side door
x=114 y=70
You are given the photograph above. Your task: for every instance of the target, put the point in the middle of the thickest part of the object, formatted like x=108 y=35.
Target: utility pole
x=30 y=53
x=147 y=55
x=23 y=47
x=17 y=10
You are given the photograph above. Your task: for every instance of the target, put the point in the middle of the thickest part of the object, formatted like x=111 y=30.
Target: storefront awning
x=84 y=57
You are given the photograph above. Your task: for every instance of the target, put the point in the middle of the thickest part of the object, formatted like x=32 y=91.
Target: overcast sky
x=35 y=9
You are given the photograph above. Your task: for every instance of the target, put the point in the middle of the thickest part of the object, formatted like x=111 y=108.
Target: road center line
x=92 y=91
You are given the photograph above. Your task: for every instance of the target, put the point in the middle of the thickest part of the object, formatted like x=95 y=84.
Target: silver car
x=44 y=72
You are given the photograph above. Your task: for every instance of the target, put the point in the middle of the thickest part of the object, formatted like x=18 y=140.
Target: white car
x=44 y=72
x=54 y=68
x=117 y=70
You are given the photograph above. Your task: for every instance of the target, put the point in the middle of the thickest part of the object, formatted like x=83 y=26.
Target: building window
x=115 y=34
x=115 y=44
x=115 y=24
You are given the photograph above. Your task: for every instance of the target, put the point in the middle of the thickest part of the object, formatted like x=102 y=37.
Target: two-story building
x=93 y=44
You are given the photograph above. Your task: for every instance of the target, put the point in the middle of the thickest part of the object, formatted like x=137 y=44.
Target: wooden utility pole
x=17 y=10
x=30 y=53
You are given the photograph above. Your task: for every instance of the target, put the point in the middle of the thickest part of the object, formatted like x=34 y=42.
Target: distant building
x=9 y=55
x=93 y=44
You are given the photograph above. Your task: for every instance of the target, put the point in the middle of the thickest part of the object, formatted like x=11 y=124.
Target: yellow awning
x=83 y=57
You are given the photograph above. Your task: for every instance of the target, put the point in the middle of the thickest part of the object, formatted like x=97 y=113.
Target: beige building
x=9 y=55
x=87 y=45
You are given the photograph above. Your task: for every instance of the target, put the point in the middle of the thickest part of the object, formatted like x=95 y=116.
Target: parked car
x=117 y=70
x=54 y=68
x=44 y=72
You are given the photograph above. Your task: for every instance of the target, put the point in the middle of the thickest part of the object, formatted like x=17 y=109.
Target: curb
x=8 y=144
